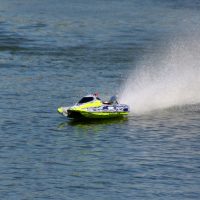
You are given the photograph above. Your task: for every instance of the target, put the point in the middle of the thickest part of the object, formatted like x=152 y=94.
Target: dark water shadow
x=91 y=122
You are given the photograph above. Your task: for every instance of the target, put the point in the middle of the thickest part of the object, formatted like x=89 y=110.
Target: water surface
x=54 y=52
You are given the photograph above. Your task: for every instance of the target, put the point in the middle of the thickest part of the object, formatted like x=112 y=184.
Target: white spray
x=170 y=79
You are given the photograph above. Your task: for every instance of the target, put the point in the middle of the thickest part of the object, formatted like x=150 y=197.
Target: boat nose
x=60 y=110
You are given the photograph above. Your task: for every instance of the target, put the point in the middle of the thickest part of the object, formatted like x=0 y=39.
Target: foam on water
x=170 y=78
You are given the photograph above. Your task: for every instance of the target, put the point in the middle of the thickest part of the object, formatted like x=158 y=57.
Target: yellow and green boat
x=91 y=106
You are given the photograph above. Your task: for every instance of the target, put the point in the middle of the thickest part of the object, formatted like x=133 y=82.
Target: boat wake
x=168 y=79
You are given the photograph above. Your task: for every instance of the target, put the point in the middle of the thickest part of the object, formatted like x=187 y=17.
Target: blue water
x=54 y=52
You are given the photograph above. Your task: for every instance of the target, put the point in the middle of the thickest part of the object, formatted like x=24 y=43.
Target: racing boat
x=91 y=106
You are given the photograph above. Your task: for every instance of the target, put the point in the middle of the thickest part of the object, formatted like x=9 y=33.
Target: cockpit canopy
x=86 y=99
x=89 y=98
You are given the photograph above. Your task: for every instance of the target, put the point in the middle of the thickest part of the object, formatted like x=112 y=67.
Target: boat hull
x=100 y=112
x=96 y=115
